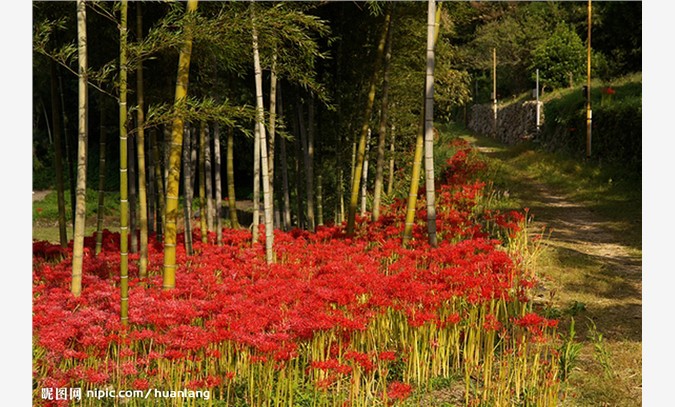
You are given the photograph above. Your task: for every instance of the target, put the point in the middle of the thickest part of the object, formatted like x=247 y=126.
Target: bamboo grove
x=305 y=50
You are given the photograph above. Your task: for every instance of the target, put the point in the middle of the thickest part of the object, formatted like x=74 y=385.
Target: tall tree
x=169 y=272
x=361 y=151
x=82 y=134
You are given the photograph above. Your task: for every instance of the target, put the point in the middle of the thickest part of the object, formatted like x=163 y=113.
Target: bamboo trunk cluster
x=382 y=129
x=361 y=151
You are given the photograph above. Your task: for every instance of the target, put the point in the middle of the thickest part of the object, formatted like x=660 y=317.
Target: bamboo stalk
x=208 y=178
x=101 y=181
x=231 y=198
x=267 y=197
x=219 y=185
x=307 y=156
x=58 y=155
x=202 y=183
x=124 y=187
x=392 y=152
x=140 y=151
x=284 y=172
x=187 y=188
x=169 y=271
x=83 y=103
x=432 y=30
x=159 y=186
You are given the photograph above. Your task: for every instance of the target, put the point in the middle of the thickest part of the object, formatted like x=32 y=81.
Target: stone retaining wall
x=515 y=122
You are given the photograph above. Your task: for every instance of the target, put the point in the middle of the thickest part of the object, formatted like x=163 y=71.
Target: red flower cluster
x=399 y=391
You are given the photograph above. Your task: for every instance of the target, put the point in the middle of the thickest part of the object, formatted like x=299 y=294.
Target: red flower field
x=336 y=321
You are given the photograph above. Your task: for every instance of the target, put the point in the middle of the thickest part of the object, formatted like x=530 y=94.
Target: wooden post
x=589 y=112
x=494 y=92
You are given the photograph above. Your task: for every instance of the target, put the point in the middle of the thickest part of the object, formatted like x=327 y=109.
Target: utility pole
x=536 y=92
x=494 y=92
x=589 y=112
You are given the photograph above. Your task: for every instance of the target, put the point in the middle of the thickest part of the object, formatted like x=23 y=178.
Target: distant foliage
x=617 y=124
x=560 y=58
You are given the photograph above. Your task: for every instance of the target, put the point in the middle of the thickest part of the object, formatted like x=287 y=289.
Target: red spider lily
x=387 y=356
x=492 y=323
x=399 y=391
x=364 y=360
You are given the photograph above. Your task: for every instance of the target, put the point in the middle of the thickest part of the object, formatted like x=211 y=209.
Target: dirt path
x=604 y=275
x=590 y=273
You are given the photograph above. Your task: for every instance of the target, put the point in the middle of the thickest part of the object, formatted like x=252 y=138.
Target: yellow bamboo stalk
x=140 y=151
x=124 y=202
x=169 y=271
